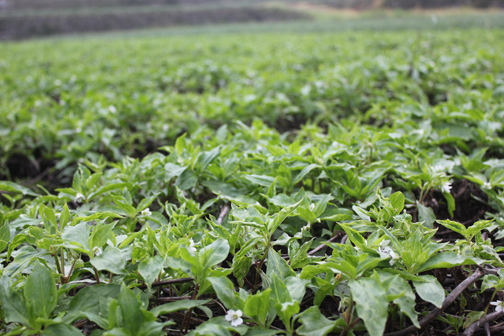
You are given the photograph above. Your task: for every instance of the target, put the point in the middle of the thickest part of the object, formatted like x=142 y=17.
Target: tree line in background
x=411 y=4
x=358 y=4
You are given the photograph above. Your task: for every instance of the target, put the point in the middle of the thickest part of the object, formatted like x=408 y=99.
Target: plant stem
x=71 y=271
x=187 y=318
x=62 y=256
x=96 y=275
x=58 y=266
x=258 y=269
x=348 y=318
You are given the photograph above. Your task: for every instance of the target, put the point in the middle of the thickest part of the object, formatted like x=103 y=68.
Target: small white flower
x=97 y=251
x=312 y=206
x=384 y=243
x=393 y=258
x=79 y=198
x=386 y=252
x=306 y=227
x=234 y=316
x=192 y=245
x=499 y=306
x=445 y=188
x=487 y=185
x=146 y=212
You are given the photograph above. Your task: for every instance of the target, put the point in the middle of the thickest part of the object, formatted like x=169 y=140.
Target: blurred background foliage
x=21 y=19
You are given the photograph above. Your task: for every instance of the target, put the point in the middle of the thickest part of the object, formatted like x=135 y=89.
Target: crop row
x=255 y=185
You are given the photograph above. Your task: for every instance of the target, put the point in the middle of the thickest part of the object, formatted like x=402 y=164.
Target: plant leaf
x=431 y=290
x=371 y=304
x=313 y=323
x=40 y=292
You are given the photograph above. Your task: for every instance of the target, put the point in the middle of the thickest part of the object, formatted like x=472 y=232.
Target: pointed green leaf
x=88 y=299
x=371 y=304
x=397 y=201
x=129 y=304
x=61 y=329
x=447 y=260
x=304 y=172
x=112 y=260
x=214 y=253
x=313 y=323
x=187 y=180
x=40 y=292
x=224 y=289
x=406 y=300
x=172 y=307
x=257 y=306
x=149 y=269
x=4 y=236
x=277 y=265
x=77 y=236
x=13 y=305
x=431 y=290
x=426 y=215
x=64 y=217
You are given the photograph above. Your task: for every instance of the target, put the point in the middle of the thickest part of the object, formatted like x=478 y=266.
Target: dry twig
x=482 y=322
x=447 y=302
x=167 y=282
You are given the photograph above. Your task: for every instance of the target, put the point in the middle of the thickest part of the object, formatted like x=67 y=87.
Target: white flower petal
x=79 y=198
x=446 y=188
x=237 y=322
x=234 y=316
x=229 y=315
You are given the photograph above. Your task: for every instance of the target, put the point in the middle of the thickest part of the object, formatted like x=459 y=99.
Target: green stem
x=491 y=299
x=349 y=317
x=258 y=269
x=58 y=266
x=62 y=257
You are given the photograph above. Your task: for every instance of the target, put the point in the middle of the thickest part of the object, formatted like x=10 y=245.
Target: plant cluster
x=342 y=186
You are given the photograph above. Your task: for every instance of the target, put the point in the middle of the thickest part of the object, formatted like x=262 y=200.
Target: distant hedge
x=18 y=27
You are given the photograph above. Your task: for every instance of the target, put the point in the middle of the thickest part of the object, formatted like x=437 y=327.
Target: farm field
x=267 y=183
x=241 y=16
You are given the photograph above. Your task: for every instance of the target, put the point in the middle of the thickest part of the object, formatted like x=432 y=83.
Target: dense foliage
x=253 y=184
